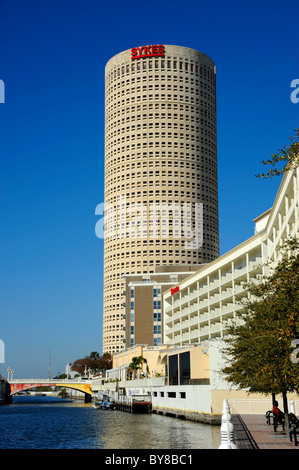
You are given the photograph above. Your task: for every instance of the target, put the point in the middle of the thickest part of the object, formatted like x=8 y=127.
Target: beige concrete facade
x=158 y=359
x=122 y=359
x=161 y=196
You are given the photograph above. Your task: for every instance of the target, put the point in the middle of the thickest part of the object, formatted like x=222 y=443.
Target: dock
x=134 y=403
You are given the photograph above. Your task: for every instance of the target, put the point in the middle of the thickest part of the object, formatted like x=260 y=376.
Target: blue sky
x=53 y=55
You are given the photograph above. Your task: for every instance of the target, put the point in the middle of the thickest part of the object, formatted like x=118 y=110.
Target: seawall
x=190 y=402
x=207 y=418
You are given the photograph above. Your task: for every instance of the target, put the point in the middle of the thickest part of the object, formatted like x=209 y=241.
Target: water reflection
x=133 y=431
x=77 y=425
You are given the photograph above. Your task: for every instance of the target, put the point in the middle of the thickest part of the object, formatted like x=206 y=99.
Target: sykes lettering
x=147 y=51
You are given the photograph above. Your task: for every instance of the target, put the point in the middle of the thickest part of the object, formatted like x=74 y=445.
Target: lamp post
x=8 y=371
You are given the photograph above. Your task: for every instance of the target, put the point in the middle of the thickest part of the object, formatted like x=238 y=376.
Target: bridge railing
x=49 y=381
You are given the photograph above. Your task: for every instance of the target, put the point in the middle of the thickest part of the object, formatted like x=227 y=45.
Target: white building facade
x=197 y=312
x=202 y=306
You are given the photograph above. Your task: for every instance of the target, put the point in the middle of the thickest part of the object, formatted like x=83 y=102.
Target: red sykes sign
x=147 y=51
x=174 y=290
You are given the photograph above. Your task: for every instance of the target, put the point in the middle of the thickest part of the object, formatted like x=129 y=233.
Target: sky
x=52 y=60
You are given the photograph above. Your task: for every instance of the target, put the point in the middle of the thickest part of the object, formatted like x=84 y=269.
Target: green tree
x=259 y=347
x=286 y=159
x=94 y=355
x=62 y=392
x=61 y=376
x=106 y=361
x=93 y=362
x=137 y=363
x=142 y=361
x=134 y=365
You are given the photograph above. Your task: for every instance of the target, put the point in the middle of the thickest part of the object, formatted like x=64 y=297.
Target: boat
x=97 y=403
x=105 y=405
x=108 y=405
x=103 y=402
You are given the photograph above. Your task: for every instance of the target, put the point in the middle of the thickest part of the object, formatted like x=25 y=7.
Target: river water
x=52 y=423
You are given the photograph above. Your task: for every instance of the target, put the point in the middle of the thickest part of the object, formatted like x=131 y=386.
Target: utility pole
x=49 y=375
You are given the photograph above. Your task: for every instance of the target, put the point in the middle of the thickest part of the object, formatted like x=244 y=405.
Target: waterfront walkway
x=252 y=432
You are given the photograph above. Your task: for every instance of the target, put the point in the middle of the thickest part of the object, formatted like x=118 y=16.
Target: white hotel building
x=201 y=307
x=196 y=314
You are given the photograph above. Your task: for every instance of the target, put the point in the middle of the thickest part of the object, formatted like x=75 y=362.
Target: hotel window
x=184 y=368
x=173 y=370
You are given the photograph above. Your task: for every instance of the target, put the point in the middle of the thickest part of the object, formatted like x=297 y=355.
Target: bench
x=270 y=415
x=275 y=420
x=293 y=424
x=294 y=427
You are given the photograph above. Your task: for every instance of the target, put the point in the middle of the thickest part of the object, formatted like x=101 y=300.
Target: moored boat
x=108 y=405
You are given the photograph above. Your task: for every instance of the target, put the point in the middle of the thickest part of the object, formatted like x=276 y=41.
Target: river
x=52 y=423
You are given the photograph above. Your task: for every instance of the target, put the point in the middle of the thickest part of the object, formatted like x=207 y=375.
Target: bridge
x=21 y=385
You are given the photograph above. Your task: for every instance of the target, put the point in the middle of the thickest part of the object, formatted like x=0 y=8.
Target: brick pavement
x=252 y=432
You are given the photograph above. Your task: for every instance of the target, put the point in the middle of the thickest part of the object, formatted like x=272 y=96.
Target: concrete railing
x=97 y=384
x=227 y=437
x=257 y=406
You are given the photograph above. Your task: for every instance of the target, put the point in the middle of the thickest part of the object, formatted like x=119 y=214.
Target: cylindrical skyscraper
x=161 y=196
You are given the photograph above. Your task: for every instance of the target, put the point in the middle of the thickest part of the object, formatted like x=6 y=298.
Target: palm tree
x=134 y=365
x=137 y=363
x=94 y=355
x=142 y=361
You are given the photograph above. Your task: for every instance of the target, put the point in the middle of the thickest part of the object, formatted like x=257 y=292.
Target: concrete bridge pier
x=5 y=396
x=87 y=398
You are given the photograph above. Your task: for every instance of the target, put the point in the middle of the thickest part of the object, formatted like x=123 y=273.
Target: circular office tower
x=161 y=196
